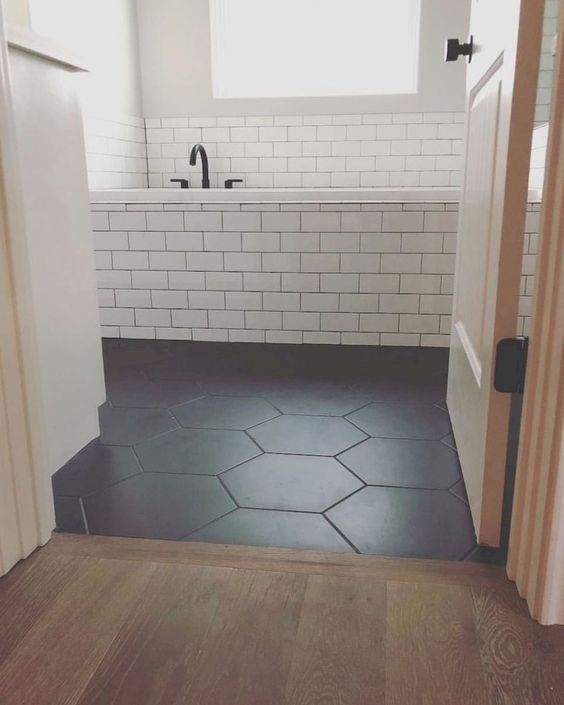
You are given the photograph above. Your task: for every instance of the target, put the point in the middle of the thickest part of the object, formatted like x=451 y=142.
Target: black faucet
x=199 y=149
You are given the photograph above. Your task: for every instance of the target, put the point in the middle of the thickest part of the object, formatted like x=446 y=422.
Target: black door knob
x=454 y=49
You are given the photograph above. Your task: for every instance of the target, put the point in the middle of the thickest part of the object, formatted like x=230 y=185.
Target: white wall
x=105 y=33
x=175 y=65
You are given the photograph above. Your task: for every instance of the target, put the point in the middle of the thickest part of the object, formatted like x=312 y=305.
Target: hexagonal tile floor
x=415 y=421
x=195 y=451
x=322 y=447
x=306 y=435
x=295 y=482
x=235 y=413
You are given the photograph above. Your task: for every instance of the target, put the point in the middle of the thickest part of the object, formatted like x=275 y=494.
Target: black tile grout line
x=227 y=491
x=391 y=438
x=258 y=445
x=158 y=407
x=342 y=535
x=206 y=524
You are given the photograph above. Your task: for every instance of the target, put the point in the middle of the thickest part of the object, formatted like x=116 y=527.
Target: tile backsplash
x=116 y=151
x=370 y=150
x=340 y=273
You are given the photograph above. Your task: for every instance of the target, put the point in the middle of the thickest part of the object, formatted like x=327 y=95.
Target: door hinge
x=511 y=364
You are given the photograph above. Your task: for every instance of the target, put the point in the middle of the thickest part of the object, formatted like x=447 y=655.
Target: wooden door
x=501 y=89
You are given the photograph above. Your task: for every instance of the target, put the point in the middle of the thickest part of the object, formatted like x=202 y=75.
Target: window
x=306 y=48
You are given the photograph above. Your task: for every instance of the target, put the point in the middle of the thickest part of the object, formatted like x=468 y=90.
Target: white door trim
x=26 y=501
x=536 y=550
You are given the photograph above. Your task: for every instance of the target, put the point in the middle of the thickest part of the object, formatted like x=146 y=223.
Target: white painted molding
x=26 y=40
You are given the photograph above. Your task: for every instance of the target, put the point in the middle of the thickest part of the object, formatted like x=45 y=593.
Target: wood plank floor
x=109 y=621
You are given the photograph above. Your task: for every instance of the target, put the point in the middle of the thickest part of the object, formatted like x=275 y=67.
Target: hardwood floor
x=110 y=621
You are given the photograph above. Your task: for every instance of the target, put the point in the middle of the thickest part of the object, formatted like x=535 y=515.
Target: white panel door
x=501 y=89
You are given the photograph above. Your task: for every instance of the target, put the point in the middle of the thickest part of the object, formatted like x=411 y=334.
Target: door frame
x=536 y=548
x=26 y=498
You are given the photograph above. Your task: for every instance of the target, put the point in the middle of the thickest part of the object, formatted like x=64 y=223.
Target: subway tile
x=340 y=242
x=361 y=222
x=300 y=282
x=100 y=220
x=321 y=338
x=437 y=222
x=380 y=242
x=224 y=281
x=281 y=262
x=204 y=261
x=112 y=279
x=380 y=283
x=245 y=134
x=243 y=301
x=258 y=281
x=149 y=280
x=336 y=283
x=273 y=134
x=420 y=284
x=274 y=301
x=268 y=320
x=280 y=222
x=438 y=264
x=412 y=323
x=360 y=338
x=206 y=299
x=242 y=261
x=401 y=263
x=399 y=303
x=106 y=298
x=261 y=242
x=379 y=322
x=186 y=280
x=301 y=321
x=173 y=334
x=402 y=222
x=141 y=333
x=189 y=319
x=103 y=260
x=361 y=263
x=215 y=335
x=436 y=303
x=321 y=222
x=111 y=241
x=226 y=319
x=340 y=321
x=222 y=242
x=132 y=298
x=400 y=339
x=302 y=134
x=285 y=337
x=215 y=134
x=152 y=317
x=209 y=221
x=168 y=299
x=165 y=221
x=319 y=302
x=167 y=260
x=117 y=317
x=284 y=149
x=315 y=262
x=147 y=241
x=248 y=222
x=246 y=336
x=128 y=221
x=130 y=260
x=358 y=302
x=422 y=242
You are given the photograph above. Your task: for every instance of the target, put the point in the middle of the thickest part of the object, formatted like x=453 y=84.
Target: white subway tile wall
x=400 y=149
x=358 y=274
x=544 y=88
x=116 y=152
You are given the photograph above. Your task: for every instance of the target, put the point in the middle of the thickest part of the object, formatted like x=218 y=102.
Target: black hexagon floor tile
x=459 y=490
x=406 y=522
x=322 y=399
x=234 y=413
x=259 y=527
x=391 y=391
x=153 y=394
x=306 y=435
x=95 y=467
x=196 y=451
x=294 y=482
x=415 y=421
x=403 y=463
x=157 y=506
x=68 y=515
x=449 y=441
x=125 y=426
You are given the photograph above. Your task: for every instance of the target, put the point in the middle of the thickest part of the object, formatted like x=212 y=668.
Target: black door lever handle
x=454 y=49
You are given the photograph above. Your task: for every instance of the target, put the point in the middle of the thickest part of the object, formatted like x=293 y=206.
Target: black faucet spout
x=199 y=149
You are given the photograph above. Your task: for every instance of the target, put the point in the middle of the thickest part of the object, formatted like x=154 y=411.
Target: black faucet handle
x=184 y=183
x=229 y=182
